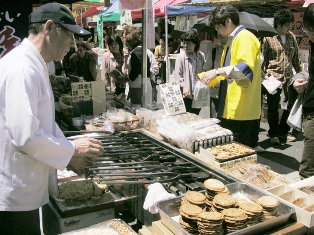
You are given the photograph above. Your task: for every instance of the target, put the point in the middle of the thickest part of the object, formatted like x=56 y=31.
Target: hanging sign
x=132 y=4
x=13 y=24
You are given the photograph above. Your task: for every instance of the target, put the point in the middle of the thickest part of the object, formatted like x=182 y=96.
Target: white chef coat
x=32 y=145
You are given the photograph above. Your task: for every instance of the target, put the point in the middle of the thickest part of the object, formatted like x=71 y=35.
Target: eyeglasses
x=69 y=33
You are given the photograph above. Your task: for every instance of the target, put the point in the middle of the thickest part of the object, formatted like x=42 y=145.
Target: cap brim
x=76 y=29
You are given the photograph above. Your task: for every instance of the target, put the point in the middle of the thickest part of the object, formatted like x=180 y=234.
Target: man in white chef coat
x=32 y=146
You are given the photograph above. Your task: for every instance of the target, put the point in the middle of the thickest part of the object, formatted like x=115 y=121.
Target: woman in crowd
x=133 y=42
x=189 y=63
x=83 y=62
x=111 y=68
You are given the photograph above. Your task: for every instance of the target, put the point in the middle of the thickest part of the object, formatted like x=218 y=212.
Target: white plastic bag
x=271 y=84
x=201 y=95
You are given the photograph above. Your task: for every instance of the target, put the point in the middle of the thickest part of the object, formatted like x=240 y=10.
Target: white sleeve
x=29 y=121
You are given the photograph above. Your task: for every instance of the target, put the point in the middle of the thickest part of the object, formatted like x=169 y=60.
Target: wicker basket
x=126 y=125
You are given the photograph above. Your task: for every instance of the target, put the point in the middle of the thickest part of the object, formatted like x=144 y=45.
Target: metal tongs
x=138 y=172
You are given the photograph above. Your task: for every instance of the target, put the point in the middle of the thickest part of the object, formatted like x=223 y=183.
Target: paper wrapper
x=172 y=99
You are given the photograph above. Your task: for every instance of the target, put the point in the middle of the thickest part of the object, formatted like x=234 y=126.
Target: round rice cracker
x=185 y=224
x=214 y=185
x=224 y=200
x=210 y=216
x=252 y=207
x=211 y=231
x=190 y=209
x=268 y=201
x=195 y=197
x=234 y=214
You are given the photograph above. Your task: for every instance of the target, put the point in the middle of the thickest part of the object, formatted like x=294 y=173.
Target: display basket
x=126 y=125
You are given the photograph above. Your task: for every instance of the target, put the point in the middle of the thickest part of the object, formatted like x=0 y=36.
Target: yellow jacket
x=243 y=103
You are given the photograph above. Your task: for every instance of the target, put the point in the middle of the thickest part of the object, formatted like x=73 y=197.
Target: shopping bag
x=201 y=95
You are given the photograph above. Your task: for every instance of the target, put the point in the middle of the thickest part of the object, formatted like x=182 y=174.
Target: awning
x=95 y=10
x=113 y=16
x=159 y=8
x=112 y=13
x=187 y=10
x=114 y=7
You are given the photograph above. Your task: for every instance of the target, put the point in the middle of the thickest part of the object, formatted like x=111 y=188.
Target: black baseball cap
x=58 y=13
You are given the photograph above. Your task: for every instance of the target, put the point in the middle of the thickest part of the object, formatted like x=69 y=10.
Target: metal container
x=169 y=210
x=114 y=226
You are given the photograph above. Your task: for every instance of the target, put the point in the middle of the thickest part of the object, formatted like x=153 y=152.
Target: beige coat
x=108 y=61
x=183 y=69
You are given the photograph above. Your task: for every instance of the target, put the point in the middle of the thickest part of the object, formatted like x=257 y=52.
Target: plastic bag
x=271 y=84
x=201 y=96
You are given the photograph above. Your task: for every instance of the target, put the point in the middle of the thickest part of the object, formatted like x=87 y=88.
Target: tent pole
x=144 y=61
x=166 y=42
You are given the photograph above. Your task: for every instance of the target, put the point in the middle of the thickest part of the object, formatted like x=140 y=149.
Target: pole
x=144 y=61
x=166 y=58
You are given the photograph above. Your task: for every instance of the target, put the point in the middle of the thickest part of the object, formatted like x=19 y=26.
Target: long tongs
x=145 y=179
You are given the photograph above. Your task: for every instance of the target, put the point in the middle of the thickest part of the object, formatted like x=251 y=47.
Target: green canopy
x=92 y=1
x=112 y=16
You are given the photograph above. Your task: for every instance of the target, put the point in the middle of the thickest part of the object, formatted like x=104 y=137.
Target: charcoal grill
x=134 y=159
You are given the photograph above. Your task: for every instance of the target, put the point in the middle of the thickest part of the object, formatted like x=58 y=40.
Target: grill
x=134 y=159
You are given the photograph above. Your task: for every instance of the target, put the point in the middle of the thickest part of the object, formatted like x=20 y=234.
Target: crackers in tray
x=230 y=151
x=217 y=212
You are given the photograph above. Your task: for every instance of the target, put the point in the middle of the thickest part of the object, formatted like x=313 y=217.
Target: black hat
x=59 y=14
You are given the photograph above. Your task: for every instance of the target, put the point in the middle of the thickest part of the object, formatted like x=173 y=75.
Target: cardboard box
x=210 y=158
x=158 y=228
x=53 y=223
x=302 y=202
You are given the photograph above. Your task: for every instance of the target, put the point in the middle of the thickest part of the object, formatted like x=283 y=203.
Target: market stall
x=140 y=153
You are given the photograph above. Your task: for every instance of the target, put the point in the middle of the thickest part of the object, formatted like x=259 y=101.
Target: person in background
x=170 y=41
x=176 y=46
x=111 y=67
x=188 y=64
x=106 y=36
x=66 y=62
x=240 y=74
x=83 y=62
x=160 y=50
x=33 y=146
x=281 y=56
x=306 y=168
x=58 y=67
x=133 y=66
x=212 y=62
x=119 y=30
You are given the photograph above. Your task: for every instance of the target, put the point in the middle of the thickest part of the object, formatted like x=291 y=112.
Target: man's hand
x=299 y=85
x=86 y=149
x=78 y=164
x=208 y=77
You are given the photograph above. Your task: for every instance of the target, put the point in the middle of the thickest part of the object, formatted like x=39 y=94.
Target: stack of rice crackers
x=218 y=213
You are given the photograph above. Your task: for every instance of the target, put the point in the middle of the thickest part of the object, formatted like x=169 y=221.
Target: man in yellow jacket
x=240 y=75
